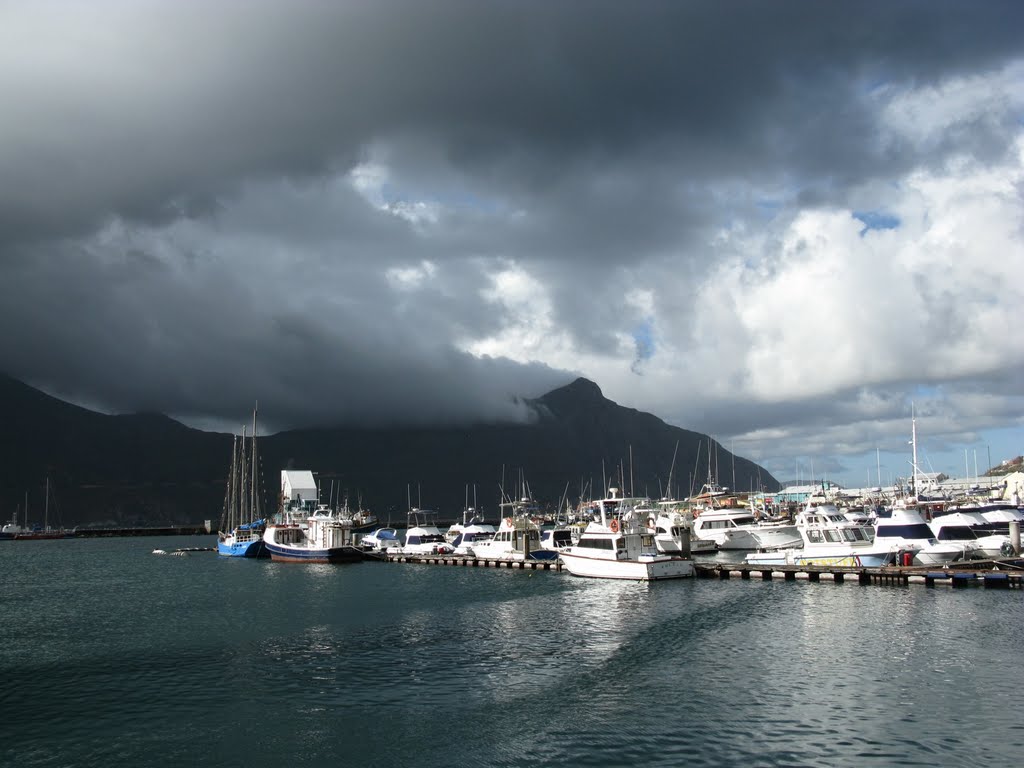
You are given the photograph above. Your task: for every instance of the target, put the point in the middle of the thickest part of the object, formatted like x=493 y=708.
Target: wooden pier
x=477 y=562
x=991 y=574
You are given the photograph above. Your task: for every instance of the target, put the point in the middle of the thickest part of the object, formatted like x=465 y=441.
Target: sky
x=787 y=225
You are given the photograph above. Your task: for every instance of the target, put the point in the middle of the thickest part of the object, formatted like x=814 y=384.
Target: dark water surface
x=113 y=656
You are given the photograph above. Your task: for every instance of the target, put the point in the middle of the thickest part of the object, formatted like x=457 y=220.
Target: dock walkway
x=476 y=562
x=992 y=574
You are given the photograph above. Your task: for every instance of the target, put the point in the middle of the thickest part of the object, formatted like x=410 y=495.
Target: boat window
x=596 y=543
x=833 y=535
x=911 y=531
x=814 y=536
x=956 y=533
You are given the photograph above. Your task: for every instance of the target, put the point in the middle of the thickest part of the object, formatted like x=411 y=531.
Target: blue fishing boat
x=242 y=526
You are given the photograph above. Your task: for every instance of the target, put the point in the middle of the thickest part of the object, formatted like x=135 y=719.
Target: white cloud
x=411 y=278
x=927 y=116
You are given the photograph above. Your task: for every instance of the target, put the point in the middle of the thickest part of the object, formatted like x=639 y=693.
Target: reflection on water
x=132 y=659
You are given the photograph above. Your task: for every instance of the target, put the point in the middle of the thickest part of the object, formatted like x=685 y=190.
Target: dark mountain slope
x=147 y=469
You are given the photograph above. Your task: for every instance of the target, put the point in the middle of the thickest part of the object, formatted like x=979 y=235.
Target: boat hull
x=940 y=554
x=490 y=553
x=253 y=548
x=644 y=569
x=287 y=554
x=670 y=546
x=797 y=557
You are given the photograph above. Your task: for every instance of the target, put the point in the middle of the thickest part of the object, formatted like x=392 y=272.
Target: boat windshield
x=910 y=531
x=425 y=538
x=956 y=533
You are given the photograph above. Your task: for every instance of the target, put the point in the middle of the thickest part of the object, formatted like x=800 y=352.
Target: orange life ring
x=508 y=521
x=614 y=525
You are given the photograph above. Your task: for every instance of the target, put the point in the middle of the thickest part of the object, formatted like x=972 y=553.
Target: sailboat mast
x=632 y=490
x=672 y=469
x=710 y=475
x=732 y=450
x=231 y=503
x=913 y=442
x=253 y=504
x=46 y=506
x=243 y=480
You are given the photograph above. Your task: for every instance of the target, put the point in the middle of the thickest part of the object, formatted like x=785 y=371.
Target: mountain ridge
x=149 y=469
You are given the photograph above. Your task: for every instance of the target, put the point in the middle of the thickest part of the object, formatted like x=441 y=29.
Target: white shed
x=297 y=484
x=1012 y=487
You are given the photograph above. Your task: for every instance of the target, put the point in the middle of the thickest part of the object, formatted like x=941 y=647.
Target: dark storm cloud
x=134 y=108
x=176 y=215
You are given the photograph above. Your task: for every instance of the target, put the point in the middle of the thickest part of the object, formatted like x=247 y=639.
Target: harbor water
x=111 y=655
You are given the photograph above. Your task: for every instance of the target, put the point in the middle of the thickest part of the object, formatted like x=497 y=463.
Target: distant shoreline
x=98 y=533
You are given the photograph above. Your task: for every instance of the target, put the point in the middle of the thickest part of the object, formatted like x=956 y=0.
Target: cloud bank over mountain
x=775 y=223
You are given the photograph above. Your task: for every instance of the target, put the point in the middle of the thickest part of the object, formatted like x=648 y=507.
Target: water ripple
x=137 y=660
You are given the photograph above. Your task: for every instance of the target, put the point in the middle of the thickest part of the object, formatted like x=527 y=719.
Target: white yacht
x=557 y=538
x=670 y=521
x=999 y=516
x=472 y=530
x=12 y=528
x=905 y=528
x=380 y=540
x=617 y=544
x=736 y=528
x=969 y=529
x=829 y=538
x=422 y=536
x=517 y=538
x=472 y=535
